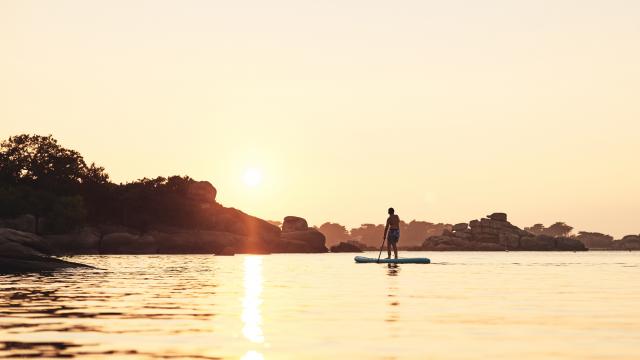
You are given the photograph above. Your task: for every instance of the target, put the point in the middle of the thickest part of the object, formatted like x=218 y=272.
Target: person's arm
x=386 y=228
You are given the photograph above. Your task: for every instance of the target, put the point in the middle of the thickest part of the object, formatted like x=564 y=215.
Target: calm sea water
x=465 y=305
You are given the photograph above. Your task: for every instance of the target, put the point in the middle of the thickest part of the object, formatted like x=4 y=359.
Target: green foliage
x=40 y=162
x=65 y=214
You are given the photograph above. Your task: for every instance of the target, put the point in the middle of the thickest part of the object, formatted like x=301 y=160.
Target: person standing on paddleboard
x=392 y=233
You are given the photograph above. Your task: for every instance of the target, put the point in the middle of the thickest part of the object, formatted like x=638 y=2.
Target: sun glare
x=252 y=177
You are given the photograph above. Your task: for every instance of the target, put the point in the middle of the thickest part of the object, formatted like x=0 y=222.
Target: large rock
x=125 y=243
x=205 y=242
x=345 y=247
x=294 y=223
x=498 y=216
x=203 y=193
x=308 y=241
x=234 y=221
x=25 y=252
x=83 y=241
x=24 y=223
x=460 y=227
x=27 y=241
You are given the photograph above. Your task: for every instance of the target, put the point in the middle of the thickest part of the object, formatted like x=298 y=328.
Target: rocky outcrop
x=24 y=223
x=298 y=237
x=495 y=233
x=345 y=247
x=460 y=227
x=203 y=193
x=294 y=223
x=125 y=243
x=27 y=252
x=85 y=241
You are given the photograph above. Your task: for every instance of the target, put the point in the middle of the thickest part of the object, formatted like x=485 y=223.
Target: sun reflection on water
x=252 y=355
x=251 y=302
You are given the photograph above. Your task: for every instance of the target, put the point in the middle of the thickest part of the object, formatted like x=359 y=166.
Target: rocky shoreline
x=25 y=252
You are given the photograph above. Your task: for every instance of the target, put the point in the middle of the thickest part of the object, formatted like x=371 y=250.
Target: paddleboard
x=363 y=259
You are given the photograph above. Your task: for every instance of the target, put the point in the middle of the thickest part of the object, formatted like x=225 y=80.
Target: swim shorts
x=393 y=236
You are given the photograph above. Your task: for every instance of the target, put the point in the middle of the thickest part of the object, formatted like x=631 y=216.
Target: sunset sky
x=336 y=110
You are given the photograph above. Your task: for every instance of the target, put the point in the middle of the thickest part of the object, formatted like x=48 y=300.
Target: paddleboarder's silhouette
x=392 y=233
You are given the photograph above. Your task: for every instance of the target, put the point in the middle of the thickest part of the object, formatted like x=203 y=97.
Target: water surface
x=498 y=305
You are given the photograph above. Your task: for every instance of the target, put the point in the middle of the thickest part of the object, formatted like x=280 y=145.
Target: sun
x=252 y=177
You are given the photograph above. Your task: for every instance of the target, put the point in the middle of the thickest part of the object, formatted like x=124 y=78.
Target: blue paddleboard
x=363 y=259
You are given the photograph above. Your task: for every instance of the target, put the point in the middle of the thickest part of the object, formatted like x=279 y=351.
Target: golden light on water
x=251 y=302
x=252 y=355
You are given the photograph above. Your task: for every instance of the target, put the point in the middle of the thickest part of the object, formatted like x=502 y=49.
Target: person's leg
x=388 y=249
x=395 y=250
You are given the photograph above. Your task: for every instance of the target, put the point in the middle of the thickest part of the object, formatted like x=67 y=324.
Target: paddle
x=384 y=238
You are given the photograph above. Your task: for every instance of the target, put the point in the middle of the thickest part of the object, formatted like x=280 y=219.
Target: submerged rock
x=345 y=247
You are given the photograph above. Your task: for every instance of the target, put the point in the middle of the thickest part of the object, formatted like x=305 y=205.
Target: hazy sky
x=446 y=110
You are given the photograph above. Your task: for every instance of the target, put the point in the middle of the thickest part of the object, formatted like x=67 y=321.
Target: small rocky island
x=495 y=233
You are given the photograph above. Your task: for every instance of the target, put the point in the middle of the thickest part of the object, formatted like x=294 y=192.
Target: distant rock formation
x=345 y=247
x=294 y=223
x=495 y=233
x=629 y=242
x=298 y=237
x=26 y=252
x=595 y=240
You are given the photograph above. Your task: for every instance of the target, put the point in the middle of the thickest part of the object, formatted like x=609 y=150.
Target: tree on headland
x=41 y=178
x=370 y=234
x=334 y=233
x=40 y=162
x=558 y=229
x=595 y=240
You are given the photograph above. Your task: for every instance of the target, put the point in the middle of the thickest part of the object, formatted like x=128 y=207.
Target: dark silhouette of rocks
x=345 y=247
x=298 y=237
x=294 y=223
x=629 y=242
x=202 y=192
x=595 y=240
x=498 y=216
x=27 y=252
x=495 y=233
x=460 y=227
